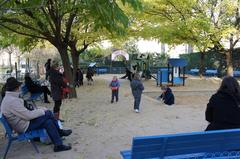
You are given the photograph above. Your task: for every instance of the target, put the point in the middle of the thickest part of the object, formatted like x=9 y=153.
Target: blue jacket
x=168 y=97
x=114 y=85
x=137 y=88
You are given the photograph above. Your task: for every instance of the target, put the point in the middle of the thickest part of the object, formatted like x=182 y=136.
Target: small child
x=115 y=87
x=167 y=95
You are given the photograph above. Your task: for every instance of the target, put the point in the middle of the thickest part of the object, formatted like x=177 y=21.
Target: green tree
x=63 y=23
x=204 y=24
x=131 y=47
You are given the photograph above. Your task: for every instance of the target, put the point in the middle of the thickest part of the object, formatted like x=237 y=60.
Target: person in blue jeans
x=23 y=120
x=115 y=88
x=167 y=96
x=137 y=88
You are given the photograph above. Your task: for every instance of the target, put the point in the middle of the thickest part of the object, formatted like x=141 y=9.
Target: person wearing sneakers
x=23 y=120
x=114 y=85
x=137 y=88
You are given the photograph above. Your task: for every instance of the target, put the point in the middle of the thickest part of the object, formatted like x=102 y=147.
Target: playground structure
x=174 y=74
x=145 y=64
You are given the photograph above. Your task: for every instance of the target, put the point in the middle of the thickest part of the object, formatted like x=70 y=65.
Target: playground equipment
x=172 y=73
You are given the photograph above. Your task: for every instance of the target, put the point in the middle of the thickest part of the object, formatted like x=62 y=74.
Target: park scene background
x=80 y=33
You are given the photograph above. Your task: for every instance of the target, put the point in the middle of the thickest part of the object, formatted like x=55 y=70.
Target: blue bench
x=101 y=70
x=211 y=72
x=193 y=71
x=219 y=144
x=29 y=136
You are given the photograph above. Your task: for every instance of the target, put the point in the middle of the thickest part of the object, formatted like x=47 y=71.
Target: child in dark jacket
x=167 y=95
x=114 y=87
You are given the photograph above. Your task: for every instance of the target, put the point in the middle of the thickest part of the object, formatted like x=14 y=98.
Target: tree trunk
x=18 y=62
x=27 y=70
x=229 y=62
x=67 y=69
x=75 y=60
x=38 y=75
x=202 y=64
x=229 y=54
x=75 y=55
x=10 y=61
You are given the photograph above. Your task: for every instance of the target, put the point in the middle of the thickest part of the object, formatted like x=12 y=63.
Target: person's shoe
x=61 y=120
x=111 y=101
x=61 y=148
x=136 y=110
x=65 y=132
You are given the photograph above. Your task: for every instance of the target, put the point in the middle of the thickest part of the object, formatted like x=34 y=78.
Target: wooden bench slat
x=185 y=138
x=188 y=144
x=208 y=143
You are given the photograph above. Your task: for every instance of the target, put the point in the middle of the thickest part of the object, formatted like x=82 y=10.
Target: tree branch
x=18 y=22
x=69 y=26
x=48 y=19
x=21 y=33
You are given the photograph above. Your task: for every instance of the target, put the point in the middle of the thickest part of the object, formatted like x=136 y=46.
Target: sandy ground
x=101 y=129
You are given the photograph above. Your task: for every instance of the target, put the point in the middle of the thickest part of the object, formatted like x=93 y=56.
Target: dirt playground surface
x=101 y=129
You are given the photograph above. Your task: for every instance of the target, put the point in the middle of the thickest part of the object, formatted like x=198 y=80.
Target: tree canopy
x=205 y=24
x=65 y=23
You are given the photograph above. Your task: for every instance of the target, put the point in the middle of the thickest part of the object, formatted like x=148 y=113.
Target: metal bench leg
x=34 y=145
x=34 y=104
x=7 y=148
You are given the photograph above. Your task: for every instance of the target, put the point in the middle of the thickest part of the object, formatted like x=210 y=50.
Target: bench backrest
x=212 y=71
x=194 y=70
x=187 y=143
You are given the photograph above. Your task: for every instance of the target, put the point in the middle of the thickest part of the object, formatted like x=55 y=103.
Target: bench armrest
x=126 y=154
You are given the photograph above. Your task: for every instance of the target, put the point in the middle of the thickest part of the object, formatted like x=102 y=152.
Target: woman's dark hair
x=28 y=80
x=231 y=86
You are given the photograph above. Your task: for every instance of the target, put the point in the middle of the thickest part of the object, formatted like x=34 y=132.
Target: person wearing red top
x=114 y=85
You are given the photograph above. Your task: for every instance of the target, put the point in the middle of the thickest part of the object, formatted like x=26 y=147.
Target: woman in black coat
x=36 y=88
x=57 y=84
x=223 y=109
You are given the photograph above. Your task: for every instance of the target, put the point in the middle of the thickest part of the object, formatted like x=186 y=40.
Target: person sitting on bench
x=223 y=108
x=23 y=120
x=36 y=88
x=167 y=96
